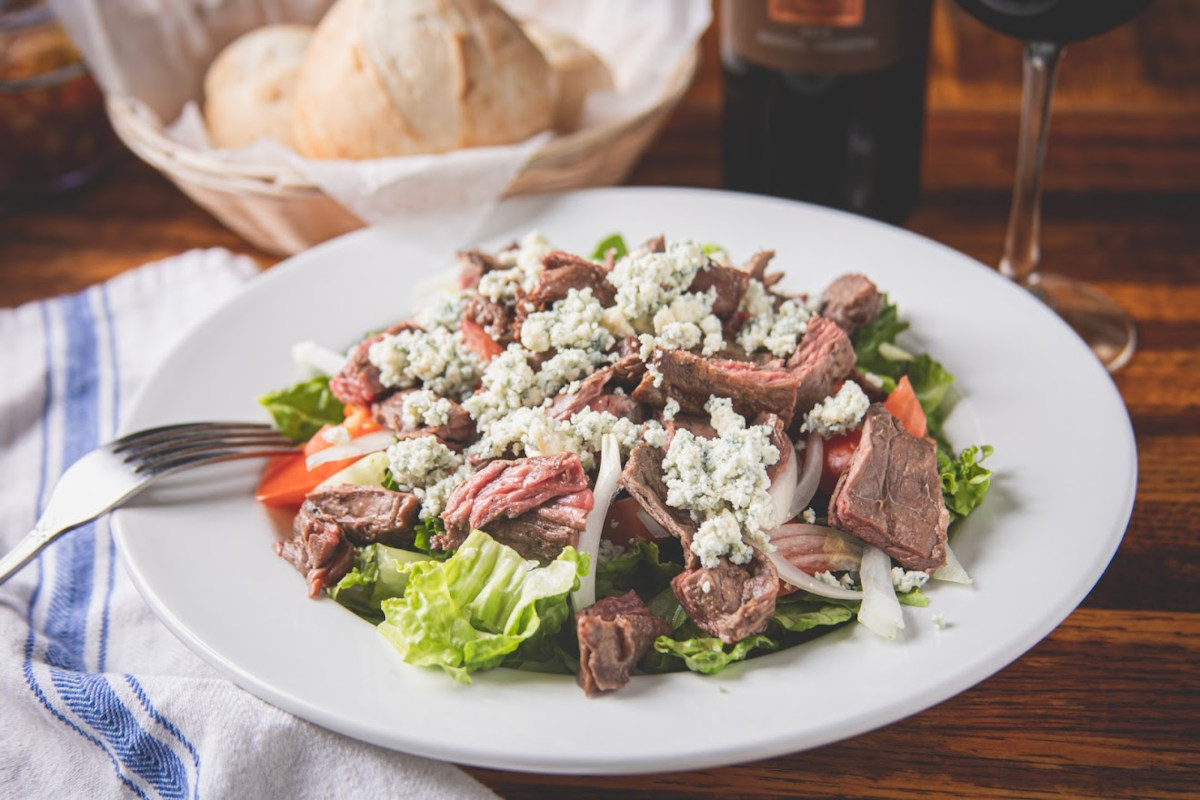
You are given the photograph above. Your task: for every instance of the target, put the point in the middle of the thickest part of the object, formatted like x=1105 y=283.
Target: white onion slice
x=952 y=570
x=318 y=357
x=810 y=475
x=357 y=447
x=802 y=580
x=656 y=530
x=782 y=490
x=880 y=610
x=589 y=542
x=840 y=551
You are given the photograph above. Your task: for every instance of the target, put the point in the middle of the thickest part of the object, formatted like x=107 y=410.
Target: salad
x=645 y=460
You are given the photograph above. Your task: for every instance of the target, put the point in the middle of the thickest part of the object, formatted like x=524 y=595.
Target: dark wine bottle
x=825 y=100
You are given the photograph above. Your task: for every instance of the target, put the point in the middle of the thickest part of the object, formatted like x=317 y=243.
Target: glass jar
x=53 y=130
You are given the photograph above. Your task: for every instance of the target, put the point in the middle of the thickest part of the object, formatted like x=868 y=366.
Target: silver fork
x=113 y=473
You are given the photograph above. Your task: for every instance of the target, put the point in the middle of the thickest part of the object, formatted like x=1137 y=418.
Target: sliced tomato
x=478 y=341
x=903 y=404
x=836 y=456
x=286 y=479
x=623 y=526
x=359 y=420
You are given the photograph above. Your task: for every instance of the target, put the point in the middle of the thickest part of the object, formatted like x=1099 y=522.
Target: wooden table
x=1109 y=704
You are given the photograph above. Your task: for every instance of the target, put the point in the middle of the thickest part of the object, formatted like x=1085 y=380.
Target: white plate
x=1065 y=463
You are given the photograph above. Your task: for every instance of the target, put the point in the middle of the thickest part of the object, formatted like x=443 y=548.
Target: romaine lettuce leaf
x=300 y=410
x=882 y=330
x=467 y=613
x=805 y=614
x=708 y=654
x=965 y=480
x=380 y=572
x=615 y=242
x=639 y=568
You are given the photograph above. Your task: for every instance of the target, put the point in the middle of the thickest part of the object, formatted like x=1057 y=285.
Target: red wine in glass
x=1047 y=26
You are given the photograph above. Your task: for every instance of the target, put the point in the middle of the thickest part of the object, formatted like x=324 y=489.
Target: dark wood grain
x=1108 y=705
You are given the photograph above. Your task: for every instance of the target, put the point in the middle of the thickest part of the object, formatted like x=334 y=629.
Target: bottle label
x=824 y=36
x=839 y=13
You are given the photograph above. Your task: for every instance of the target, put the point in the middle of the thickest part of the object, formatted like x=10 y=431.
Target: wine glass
x=1046 y=27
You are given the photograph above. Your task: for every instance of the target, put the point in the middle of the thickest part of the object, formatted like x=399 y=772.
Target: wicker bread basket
x=278 y=210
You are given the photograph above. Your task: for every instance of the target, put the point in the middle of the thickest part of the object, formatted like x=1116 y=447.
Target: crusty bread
x=578 y=69
x=404 y=77
x=248 y=87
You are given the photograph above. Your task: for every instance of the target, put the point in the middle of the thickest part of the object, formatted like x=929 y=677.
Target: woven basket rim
x=151 y=143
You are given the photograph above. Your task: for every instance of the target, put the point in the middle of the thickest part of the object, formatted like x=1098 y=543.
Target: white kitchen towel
x=99 y=699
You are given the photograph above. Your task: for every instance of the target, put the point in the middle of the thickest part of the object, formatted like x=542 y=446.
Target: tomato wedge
x=478 y=341
x=904 y=406
x=836 y=456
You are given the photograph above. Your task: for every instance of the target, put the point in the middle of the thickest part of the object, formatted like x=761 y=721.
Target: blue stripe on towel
x=114 y=365
x=90 y=696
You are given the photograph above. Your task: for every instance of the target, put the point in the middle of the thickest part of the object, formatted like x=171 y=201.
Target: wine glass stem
x=1021 y=252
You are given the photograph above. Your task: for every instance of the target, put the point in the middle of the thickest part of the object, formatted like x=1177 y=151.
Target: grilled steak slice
x=507 y=489
x=619 y=405
x=366 y=514
x=498 y=320
x=643 y=479
x=851 y=302
x=358 y=381
x=543 y=532
x=473 y=265
x=564 y=405
x=729 y=283
x=319 y=549
x=890 y=495
x=614 y=635
x=780 y=439
x=756 y=267
x=691 y=380
x=823 y=357
x=458 y=430
x=564 y=272
x=729 y=601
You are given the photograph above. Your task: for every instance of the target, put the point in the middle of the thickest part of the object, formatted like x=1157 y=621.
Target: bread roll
x=248 y=87
x=578 y=69
x=404 y=77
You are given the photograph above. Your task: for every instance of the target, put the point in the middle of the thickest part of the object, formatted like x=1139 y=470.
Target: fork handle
x=30 y=545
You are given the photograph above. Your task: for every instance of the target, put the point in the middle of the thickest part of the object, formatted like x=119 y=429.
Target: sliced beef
x=698 y=426
x=655 y=244
x=509 y=488
x=595 y=393
x=564 y=405
x=629 y=369
x=499 y=320
x=319 y=549
x=366 y=514
x=730 y=285
x=729 y=601
x=358 y=381
x=756 y=267
x=564 y=272
x=473 y=265
x=780 y=439
x=643 y=479
x=823 y=357
x=543 y=532
x=851 y=302
x=458 y=430
x=691 y=379
x=890 y=495
x=614 y=635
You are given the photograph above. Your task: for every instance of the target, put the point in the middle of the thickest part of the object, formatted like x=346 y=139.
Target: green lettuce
x=867 y=340
x=476 y=608
x=802 y=615
x=615 y=242
x=425 y=530
x=965 y=480
x=708 y=654
x=300 y=410
x=639 y=568
x=379 y=573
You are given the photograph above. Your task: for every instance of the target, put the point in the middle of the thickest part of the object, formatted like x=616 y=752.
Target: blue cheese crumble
x=723 y=483
x=437 y=359
x=686 y=323
x=424 y=409
x=645 y=281
x=531 y=432
x=428 y=469
x=576 y=321
x=524 y=265
x=777 y=331
x=838 y=414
